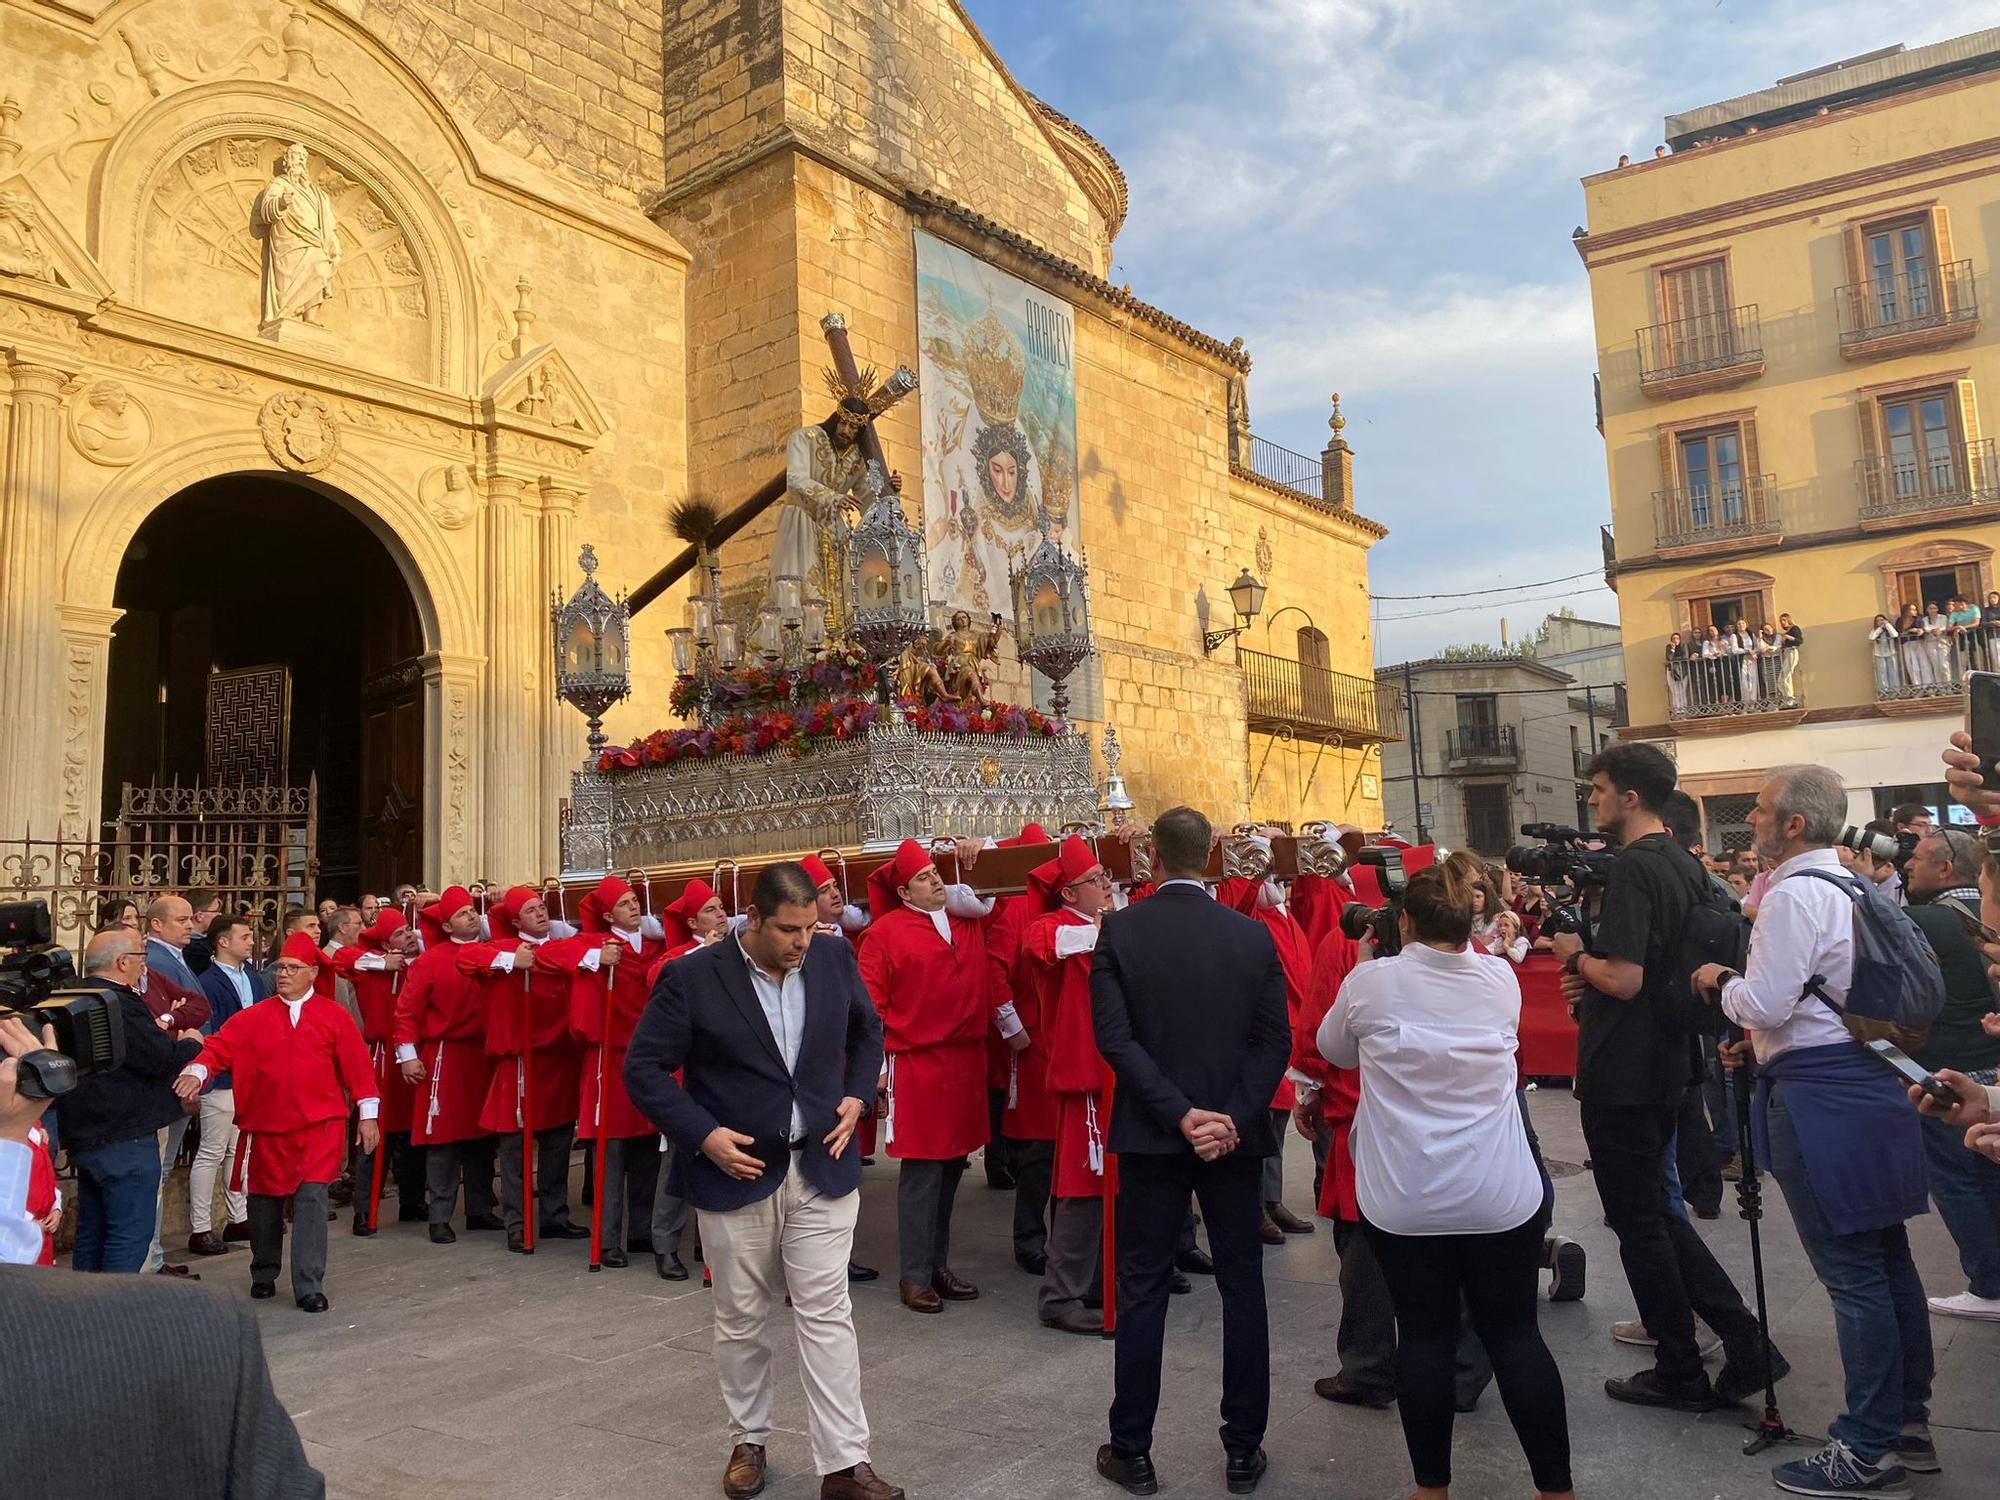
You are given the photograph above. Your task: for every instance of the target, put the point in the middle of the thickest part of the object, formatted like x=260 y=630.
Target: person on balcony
x=1769 y=646
x=1913 y=649
x=1677 y=676
x=1743 y=646
x=1791 y=640
x=1989 y=620
x=1716 y=677
x=1964 y=619
x=1937 y=640
x=1882 y=635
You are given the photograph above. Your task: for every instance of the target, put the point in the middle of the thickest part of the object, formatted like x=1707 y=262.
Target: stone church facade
x=583 y=252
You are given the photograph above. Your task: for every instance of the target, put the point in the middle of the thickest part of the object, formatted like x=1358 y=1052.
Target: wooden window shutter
x=1850 y=239
x=1968 y=412
x=1670 y=467
x=1869 y=411
x=1909 y=590
x=1753 y=466
x=1941 y=235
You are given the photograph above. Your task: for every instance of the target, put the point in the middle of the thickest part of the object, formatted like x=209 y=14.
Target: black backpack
x=1716 y=932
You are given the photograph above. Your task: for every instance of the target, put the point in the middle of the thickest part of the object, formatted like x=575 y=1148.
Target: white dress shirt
x=20 y=1236
x=783 y=1000
x=1804 y=927
x=1438 y=1142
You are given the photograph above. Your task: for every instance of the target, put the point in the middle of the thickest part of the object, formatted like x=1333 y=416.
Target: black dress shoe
x=1244 y=1470
x=263 y=1289
x=208 y=1242
x=670 y=1268
x=613 y=1258
x=363 y=1230
x=517 y=1241
x=443 y=1234
x=1132 y=1473
x=1034 y=1265
x=483 y=1221
x=563 y=1232
x=1195 y=1262
x=315 y=1303
x=1076 y=1322
x=858 y=1272
x=411 y=1213
x=1336 y=1388
x=1178 y=1285
x=237 y=1233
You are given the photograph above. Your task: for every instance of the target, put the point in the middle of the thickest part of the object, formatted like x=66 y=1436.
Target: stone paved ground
x=463 y=1372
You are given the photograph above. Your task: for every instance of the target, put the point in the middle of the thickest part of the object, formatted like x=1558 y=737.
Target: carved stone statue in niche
x=294 y=218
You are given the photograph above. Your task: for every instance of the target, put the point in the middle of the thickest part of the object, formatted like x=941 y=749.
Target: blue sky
x=1378 y=196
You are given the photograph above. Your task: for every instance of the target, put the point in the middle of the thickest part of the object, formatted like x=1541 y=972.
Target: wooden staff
x=603 y=1082
x=525 y=1100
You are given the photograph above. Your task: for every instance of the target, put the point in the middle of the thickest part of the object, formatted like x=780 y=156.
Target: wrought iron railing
x=1933 y=663
x=1299 y=472
x=1905 y=484
x=1710 y=343
x=1581 y=758
x=1759 y=680
x=1943 y=298
x=1309 y=698
x=1471 y=742
x=1717 y=513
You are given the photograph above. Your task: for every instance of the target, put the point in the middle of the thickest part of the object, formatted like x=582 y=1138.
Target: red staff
x=603 y=1081
x=525 y=1106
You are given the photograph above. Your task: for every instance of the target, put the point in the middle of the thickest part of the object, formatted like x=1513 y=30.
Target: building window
x=1712 y=475
x=1724 y=610
x=1488 y=828
x=1728 y=822
x=1899 y=266
x=1921 y=442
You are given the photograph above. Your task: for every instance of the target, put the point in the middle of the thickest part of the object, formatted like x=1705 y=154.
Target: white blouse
x=1438 y=1143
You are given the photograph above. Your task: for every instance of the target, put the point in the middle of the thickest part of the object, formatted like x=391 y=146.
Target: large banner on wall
x=998 y=406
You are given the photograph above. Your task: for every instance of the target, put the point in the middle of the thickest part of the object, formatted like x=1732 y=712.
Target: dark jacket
x=1188 y=1000
x=135 y=1099
x=223 y=1002
x=1957 y=1040
x=198 y=954
x=704 y=1017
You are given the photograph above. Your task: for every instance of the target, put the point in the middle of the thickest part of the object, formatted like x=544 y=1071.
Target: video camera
x=89 y=1031
x=1894 y=847
x=1380 y=924
x=1559 y=860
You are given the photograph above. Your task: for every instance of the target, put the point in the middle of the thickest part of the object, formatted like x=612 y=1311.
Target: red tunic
x=292 y=1084
x=375 y=997
x=603 y=1067
x=1078 y=1079
x=42 y=1189
x=935 y=1001
x=540 y=998
x=1340 y=1088
x=1031 y=1108
x=442 y=1013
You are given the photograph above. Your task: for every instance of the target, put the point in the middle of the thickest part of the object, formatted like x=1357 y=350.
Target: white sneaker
x=1966 y=1305
x=1632 y=1331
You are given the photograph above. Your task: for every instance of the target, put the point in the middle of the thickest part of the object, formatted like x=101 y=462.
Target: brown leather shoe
x=1076 y=1320
x=206 y=1242
x=1286 y=1220
x=946 y=1283
x=745 y=1475
x=919 y=1298
x=1269 y=1232
x=863 y=1484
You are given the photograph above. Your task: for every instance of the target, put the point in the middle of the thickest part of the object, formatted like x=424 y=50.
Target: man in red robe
x=926 y=971
x=377 y=965
x=296 y=1060
x=1017 y=1064
x=537 y=1064
x=1073 y=891
x=440 y=1037
x=609 y=959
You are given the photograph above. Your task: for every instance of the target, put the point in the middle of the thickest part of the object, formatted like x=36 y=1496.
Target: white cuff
x=372 y=962
x=853 y=918
x=196 y=1071
x=369 y=1108
x=963 y=901
x=1073 y=939
x=588 y=962
x=1005 y=1018
x=504 y=962
x=1299 y=1080
x=407 y=1052
x=558 y=928
x=653 y=928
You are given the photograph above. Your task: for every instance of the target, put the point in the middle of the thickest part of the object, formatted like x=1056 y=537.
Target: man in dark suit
x=1188 y=1000
x=781 y=1048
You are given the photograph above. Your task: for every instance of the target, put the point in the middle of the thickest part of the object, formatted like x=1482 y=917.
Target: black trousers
x=1695 y=1153
x=1034 y=1173
x=552 y=1149
x=405 y=1164
x=1152 y=1207
x=1672 y=1274
x=925 y=1193
x=1000 y=1148
x=1496 y=1278
x=267 y=1238
x=470 y=1160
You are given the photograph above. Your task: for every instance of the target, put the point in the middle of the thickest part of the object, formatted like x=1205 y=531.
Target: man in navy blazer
x=780 y=1049
x=1187 y=999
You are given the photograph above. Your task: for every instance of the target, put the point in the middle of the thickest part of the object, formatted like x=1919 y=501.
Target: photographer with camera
x=1633 y=1066
x=111 y=1121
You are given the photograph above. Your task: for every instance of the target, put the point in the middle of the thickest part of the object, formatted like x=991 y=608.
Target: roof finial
x=524 y=314
x=1336 y=421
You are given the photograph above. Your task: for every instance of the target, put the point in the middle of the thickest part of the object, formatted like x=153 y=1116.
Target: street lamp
x=885 y=579
x=1052 y=617
x=1246 y=597
x=593 y=649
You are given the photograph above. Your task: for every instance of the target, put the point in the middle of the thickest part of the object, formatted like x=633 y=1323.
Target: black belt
x=799 y=1144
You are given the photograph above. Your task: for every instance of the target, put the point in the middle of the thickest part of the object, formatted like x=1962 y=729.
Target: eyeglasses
x=1099 y=879
x=289 y=965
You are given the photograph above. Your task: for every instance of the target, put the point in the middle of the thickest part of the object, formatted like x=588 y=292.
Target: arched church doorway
x=269 y=636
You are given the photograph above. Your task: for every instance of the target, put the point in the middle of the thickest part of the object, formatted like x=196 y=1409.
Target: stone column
x=30 y=490
x=86 y=663
x=453 y=833
x=512 y=750
x=561 y=726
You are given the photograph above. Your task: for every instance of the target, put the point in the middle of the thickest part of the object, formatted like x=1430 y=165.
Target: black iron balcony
x=1481 y=744
x=1703 y=353
x=1762 y=680
x=1921 y=309
x=1955 y=477
x=1716 y=515
x=1932 y=664
x=1316 y=703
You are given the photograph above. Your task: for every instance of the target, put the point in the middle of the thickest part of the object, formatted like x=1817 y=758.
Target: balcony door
x=1488 y=828
x=1712 y=475
x=1695 y=302
x=1724 y=610
x=1939 y=586
x=1920 y=432
x=1901 y=271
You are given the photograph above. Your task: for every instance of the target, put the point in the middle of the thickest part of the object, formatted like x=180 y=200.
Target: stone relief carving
x=294 y=219
x=1266 y=558
x=457 y=773
x=21 y=250
x=546 y=400
x=448 y=496
x=42 y=320
x=109 y=425
x=299 y=431
x=80 y=731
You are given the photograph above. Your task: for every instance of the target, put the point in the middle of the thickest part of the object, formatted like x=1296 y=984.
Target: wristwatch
x=1571 y=965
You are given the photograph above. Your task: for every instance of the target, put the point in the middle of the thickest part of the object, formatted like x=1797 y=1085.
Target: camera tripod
x=1769 y=1430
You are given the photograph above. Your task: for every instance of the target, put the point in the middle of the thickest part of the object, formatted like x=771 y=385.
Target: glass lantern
x=886 y=567
x=680 y=640
x=701 y=619
x=788 y=598
x=592 y=638
x=815 y=624
x=1052 y=617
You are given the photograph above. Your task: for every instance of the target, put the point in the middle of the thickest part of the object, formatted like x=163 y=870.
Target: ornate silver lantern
x=1052 y=617
x=885 y=579
x=593 y=648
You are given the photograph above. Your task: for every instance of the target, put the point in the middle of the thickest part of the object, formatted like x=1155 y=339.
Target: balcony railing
x=1314 y=702
x=1712 y=514
x=1299 y=472
x=1481 y=742
x=1759 y=681
x=1933 y=664
x=1917 y=309
x=1948 y=478
x=1704 y=352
